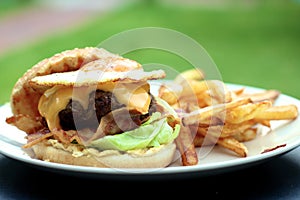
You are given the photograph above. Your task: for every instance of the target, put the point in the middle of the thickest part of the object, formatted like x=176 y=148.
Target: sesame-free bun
x=155 y=157
x=65 y=69
x=24 y=99
x=76 y=67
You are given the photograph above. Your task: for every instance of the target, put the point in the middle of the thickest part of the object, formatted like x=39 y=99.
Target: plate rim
x=207 y=167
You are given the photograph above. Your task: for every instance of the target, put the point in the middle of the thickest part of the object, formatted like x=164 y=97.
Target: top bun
x=77 y=67
x=98 y=72
x=24 y=99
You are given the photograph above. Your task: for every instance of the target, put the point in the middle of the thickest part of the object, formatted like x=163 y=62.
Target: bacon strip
x=117 y=121
x=37 y=137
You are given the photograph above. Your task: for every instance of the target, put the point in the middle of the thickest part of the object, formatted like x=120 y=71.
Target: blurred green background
x=254 y=43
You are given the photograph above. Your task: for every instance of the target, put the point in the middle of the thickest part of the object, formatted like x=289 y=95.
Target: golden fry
x=285 y=112
x=204 y=99
x=239 y=92
x=170 y=92
x=264 y=122
x=212 y=114
x=227 y=129
x=201 y=115
x=199 y=138
x=233 y=145
x=218 y=92
x=227 y=142
x=247 y=135
x=200 y=141
x=246 y=112
x=270 y=95
x=188 y=103
x=186 y=147
x=215 y=89
x=190 y=74
x=193 y=87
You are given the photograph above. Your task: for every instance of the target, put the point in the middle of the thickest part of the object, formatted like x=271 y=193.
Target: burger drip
x=101 y=103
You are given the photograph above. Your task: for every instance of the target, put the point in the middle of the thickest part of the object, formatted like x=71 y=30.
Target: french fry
x=170 y=92
x=233 y=145
x=199 y=141
x=201 y=115
x=247 y=135
x=185 y=145
x=239 y=92
x=246 y=112
x=270 y=95
x=194 y=87
x=212 y=114
x=190 y=74
x=284 y=112
x=198 y=138
x=229 y=143
x=188 y=103
x=264 y=122
x=204 y=99
x=218 y=91
x=227 y=129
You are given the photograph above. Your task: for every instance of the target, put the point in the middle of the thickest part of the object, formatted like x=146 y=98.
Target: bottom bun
x=53 y=151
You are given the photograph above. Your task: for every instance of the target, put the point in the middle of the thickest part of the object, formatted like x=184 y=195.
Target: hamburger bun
x=65 y=70
x=156 y=157
x=24 y=98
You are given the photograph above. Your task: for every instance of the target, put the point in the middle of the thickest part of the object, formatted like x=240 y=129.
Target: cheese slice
x=133 y=95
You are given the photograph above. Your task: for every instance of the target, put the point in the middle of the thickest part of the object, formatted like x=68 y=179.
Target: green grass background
x=257 y=45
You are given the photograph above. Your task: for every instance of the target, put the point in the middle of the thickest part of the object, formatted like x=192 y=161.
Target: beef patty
x=75 y=117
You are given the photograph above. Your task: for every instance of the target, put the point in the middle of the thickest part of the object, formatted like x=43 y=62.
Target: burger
x=90 y=107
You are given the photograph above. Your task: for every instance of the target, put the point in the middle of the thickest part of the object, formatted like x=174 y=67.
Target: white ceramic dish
x=215 y=160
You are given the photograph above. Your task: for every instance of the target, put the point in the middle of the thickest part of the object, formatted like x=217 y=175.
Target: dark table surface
x=276 y=178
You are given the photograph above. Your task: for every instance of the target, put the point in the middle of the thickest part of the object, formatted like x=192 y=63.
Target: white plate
x=214 y=161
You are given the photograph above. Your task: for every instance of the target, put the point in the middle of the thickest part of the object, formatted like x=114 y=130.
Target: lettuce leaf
x=154 y=132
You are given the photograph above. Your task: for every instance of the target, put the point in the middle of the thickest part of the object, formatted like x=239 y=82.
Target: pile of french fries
x=212 y=114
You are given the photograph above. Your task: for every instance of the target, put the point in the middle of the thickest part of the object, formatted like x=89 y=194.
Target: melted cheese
x=134 y=96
